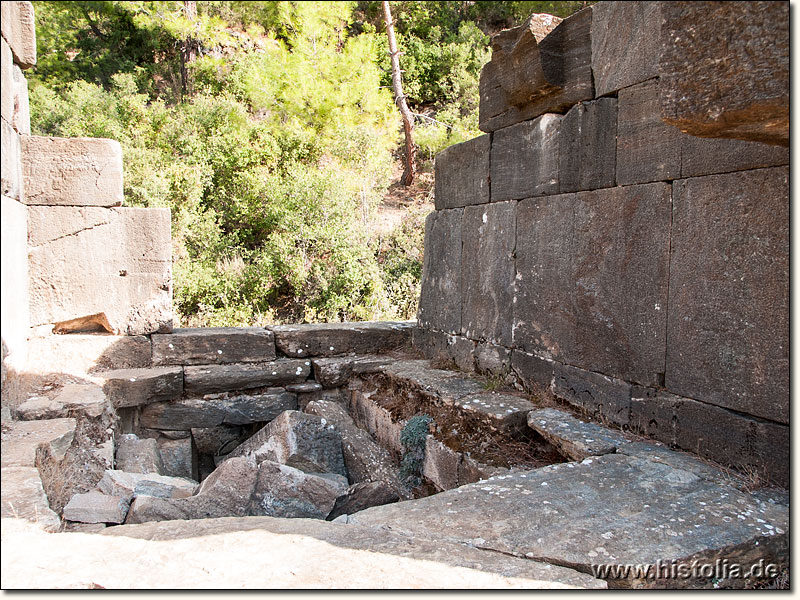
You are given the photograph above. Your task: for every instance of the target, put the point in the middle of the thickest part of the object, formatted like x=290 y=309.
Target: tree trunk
x=400 y=99
x=189 y=46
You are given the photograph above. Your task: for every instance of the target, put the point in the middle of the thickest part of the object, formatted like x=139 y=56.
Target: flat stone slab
x=130 y=485
x=331 y=339
x=502 y=411
x=135 y=387
x=21 y=440
x=573 y=437
x=611 y=509
x=213 y=345
x=96 y=507
x=22 y=497
x=445 y=385
x=242 y=376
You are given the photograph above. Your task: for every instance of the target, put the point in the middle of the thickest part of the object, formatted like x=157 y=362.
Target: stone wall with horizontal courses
x=587 y=245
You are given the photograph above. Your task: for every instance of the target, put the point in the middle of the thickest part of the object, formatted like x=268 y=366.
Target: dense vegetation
x=269 y=130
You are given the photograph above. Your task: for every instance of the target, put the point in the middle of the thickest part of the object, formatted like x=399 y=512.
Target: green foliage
x=413 y=437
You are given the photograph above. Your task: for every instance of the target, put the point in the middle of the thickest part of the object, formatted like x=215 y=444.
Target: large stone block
x=79 y=353
x=21 y=118
x=224 y=378
x=14 y=275
x=728 y=341
x=591 y=283
x=526 y=79
x=625 y=44
x=728 y=74
x=11 y=174
x=95 y=507
x=283 y=491
x=19 y=30
x=705 y=156
x=332 y=339
x=597 y=394
x=440 y=295
x=587 y=146
x=462 y=174
x=135 y=387
x=72 y=171
x=96 y=268
x=213 y=345
x=525 y=159
x=489 y=233
x=135 y=455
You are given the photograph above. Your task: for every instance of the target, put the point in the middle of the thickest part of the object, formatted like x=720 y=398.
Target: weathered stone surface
x=362 y=496
x=331 y=339
x=505 y=412
x=470 y=470
x=135 y=387
x=88 y=353
x=593 y=392
x=179 y=457
x=218 y=440
x=22 y=497
x=442 y=385
x=39 y=407
x=7 y=66
x=10 y=163
x=332 y=372
x=587 y=145
x=370 y=363
x=576 y=439
x=116 y=268
x=592 y=279
x=440 y=294
x=72 y=171
x=609 y=509
x=440 y=465
x=488 y=285
x=222 y=378
x=728 y=74
x=135 y=455
x=626 y=44
x=21 y=119
x=439 y=346
x=492 y=358
x=525 y=159
x=21 y=439
x=305 y=387
x=130 y=485
x=300 y=440
x=364 y=459
x=283 y=491
x=213 y=345
x=14 y=310
x=243 y=409
x=83 y=398
x=19 y=31
x=704 y=156
x=338 y=395
x=462 y=174
x=94 y=507
x=525 y=79
x=376 y=420
x=728 y=338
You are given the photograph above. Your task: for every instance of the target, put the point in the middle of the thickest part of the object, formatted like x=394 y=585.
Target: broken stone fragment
x=332 y=372
x=39 y=407
x=138 y=456
x=95 y=507
x=130 y=485
x=362 y=496
x=23 y=438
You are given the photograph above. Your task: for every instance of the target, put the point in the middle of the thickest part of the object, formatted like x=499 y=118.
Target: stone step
x=213 y=345
x=73 y=399
x=241 y=376
x=136 y=387
x=21 y=439
x=332 y=339
x=573 y=437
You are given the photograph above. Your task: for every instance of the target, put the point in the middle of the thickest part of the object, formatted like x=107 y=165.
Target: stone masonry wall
x=590 y=248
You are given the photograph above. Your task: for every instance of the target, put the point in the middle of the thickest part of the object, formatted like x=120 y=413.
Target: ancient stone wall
x=590 y=247
x=73 y=259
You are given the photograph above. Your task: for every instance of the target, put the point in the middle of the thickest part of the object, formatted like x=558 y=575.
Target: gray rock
x=626 y=44
x=213 y=345
x=338 y=395
x=135 y=387
x=376 y=420
x=306 y=387
x=440 y=346
x=525 y=159
x=609 y=509
x=218 y=440
x=130 y=485
x=283 y=491
x=597 y=394
x=179 y=457
x=574 y=438
x=525 y=79
x=85 y=399
x=332 y=339
x=440 y=294
x=362 y=496
x=40 y=407
x=440 y=465
x=705 y=156
x=222 y=378
x=300 y=440
x=489 y=234
x=492 y=358
x=439 y=384
x=94 y=507
x=332 y=372
x=462 y=174
x=728 y=343
x=138 y=456
x=22 y=440
x=727 y=76
x=370 y=363
x=364 y=459
x=501 y=411
x=587 y=145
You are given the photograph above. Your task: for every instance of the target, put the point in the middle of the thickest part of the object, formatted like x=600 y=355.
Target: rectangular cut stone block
x=72 y=171
x=625 y=44
x=95 y=507
x=526 y=79
x=525 y=159
x=11 y=164
x=88 y=353
x=488 y=284
x=592 y=275
x=439 y=346
x=99 y=268
x=462 y=174
x=134 y=387
x=728 y=341
x=440 y=465
x=728 y=74
x=573 y=437
x=22 y=497
x=587 y=146
x=440 y=295
x=213 y=345
x=535 y=372
x=223 y=378
x=595 y=393
x=19 y=30
x=502 y=411
x=14 y=276
x=332 y=339
x=705 y=156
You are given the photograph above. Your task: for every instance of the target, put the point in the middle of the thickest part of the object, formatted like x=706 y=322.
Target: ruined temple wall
x=592 y=249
